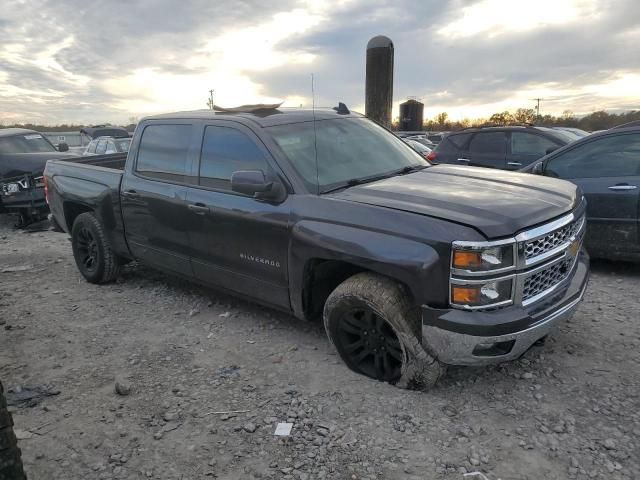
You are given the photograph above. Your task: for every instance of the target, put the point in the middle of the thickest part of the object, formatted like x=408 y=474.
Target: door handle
x=198 y=208
x=514 y=164
x=622 y=187
x=465 y=160
x=130 y=194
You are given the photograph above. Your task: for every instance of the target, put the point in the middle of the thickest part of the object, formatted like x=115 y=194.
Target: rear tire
x=92 y=250
x=376 y=331
x=10 y=455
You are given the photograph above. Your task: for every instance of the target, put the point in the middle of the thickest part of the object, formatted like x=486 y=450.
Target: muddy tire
x=10 y=455
x=377 y=331
x=92 y=251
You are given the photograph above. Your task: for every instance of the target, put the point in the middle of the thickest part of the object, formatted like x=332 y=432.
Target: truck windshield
x=27 y=143
x=349 y=151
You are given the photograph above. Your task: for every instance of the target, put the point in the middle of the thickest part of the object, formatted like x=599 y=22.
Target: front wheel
x=376 y=332
x=92 y=250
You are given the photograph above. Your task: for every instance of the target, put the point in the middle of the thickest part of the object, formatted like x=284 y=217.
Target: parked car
x=507 y=148
x=418 y=147
x=105 y=131
x=606 y=167
x=106 y=145
x=577 y=131
x=23 y=155
x=325 y=213
x=423 y=140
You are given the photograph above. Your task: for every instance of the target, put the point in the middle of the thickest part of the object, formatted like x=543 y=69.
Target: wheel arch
x=322 y=256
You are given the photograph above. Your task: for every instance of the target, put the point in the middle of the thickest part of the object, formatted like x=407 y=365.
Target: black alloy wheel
x=87 y=248
x=369 y=345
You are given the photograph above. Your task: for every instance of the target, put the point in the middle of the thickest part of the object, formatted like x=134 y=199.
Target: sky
x=73 y=61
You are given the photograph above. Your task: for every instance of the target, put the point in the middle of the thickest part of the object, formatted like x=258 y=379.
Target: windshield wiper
x=355 y=181
x=410 y=169
x=359 y=181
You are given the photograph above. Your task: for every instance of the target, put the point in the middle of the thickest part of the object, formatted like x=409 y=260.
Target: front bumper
x=458 y=337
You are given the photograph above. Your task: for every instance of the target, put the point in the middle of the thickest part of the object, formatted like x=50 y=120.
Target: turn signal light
x=467 y=259
x=465 y=295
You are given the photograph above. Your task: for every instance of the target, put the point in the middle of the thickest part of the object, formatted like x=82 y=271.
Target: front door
x=607 y=169
x=526 y=148
x=237 y=242
x=486 y=149
x=153 y=197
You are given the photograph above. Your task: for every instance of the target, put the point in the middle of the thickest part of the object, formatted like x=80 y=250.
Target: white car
x=106 y=145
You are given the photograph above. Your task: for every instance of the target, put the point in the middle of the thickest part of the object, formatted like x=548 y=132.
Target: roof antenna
x=315 y=134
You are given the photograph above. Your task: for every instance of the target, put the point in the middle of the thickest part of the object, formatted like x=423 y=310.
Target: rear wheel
x=376 y=332
x=10 y=455
x=92 y=250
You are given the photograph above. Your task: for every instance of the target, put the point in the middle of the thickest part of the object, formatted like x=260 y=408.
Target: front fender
x=411 y=262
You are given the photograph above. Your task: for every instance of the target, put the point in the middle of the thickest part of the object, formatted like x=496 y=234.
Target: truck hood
x=15 y=164
x=495 y=202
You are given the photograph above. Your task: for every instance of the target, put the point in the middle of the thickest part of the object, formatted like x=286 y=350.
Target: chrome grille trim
x=549 y=244
x=538 y=271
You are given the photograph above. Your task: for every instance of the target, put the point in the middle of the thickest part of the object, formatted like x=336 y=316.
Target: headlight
x=471 y=258
x=478 y=294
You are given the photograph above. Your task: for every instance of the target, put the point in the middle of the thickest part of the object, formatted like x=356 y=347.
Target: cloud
x=72 y=60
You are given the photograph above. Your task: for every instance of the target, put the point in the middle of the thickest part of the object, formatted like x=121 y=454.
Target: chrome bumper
x=459 y=348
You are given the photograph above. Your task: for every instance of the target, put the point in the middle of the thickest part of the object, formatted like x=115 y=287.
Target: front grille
x=545 y=279
x=548 y=242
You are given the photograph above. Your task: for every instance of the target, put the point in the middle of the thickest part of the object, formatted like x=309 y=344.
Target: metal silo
x=411 y=116
x=379 y=81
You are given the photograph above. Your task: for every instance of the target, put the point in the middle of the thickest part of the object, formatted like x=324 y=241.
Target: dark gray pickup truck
x=326 y=214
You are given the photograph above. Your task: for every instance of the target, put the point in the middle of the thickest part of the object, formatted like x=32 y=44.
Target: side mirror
x=538 y=168
x=552 y=149
x=63 y=147
x=258 y=185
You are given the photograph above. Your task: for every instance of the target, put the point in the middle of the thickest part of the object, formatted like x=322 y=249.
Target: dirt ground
x=211 y=376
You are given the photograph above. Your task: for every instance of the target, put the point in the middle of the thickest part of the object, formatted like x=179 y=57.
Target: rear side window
x=488 y=142
x=530 y=144
x=91 y=148
x=163 y=152
x=458 y=140
x=224 y=151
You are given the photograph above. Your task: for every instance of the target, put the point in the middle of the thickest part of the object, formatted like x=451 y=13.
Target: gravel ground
x=207 y=377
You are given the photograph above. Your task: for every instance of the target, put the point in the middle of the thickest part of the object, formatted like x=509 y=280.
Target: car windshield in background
x=122 y=144
x=349 y=151
x=27 y=143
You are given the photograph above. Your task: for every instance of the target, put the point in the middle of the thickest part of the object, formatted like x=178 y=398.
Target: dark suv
x=507 y=148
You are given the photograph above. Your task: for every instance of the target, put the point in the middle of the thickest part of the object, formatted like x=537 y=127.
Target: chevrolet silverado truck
x=325 y=214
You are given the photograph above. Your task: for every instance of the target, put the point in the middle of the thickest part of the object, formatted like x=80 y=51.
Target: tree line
x=599 y=120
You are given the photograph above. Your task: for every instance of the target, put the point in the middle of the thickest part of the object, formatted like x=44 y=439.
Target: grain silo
x=411 y=116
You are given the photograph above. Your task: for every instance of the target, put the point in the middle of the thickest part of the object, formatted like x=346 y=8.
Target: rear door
x=153 y=196
x=486 y=149
x=238 y=242
x=526 y=147
x=608 y=171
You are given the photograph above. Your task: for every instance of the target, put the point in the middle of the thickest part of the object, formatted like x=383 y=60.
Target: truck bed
x=111 y=160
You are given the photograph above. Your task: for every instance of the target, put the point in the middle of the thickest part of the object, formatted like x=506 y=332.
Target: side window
x=163 y=152
x=111 y=147
x=488 y=142
x=101 y=147
x=91 y=148
x=523 y=143
x=459 y=139
x=611 y=156
x=224 y=151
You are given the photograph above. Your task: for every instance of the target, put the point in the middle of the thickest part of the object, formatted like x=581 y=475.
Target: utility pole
x=210 y=101
x=537 y=108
